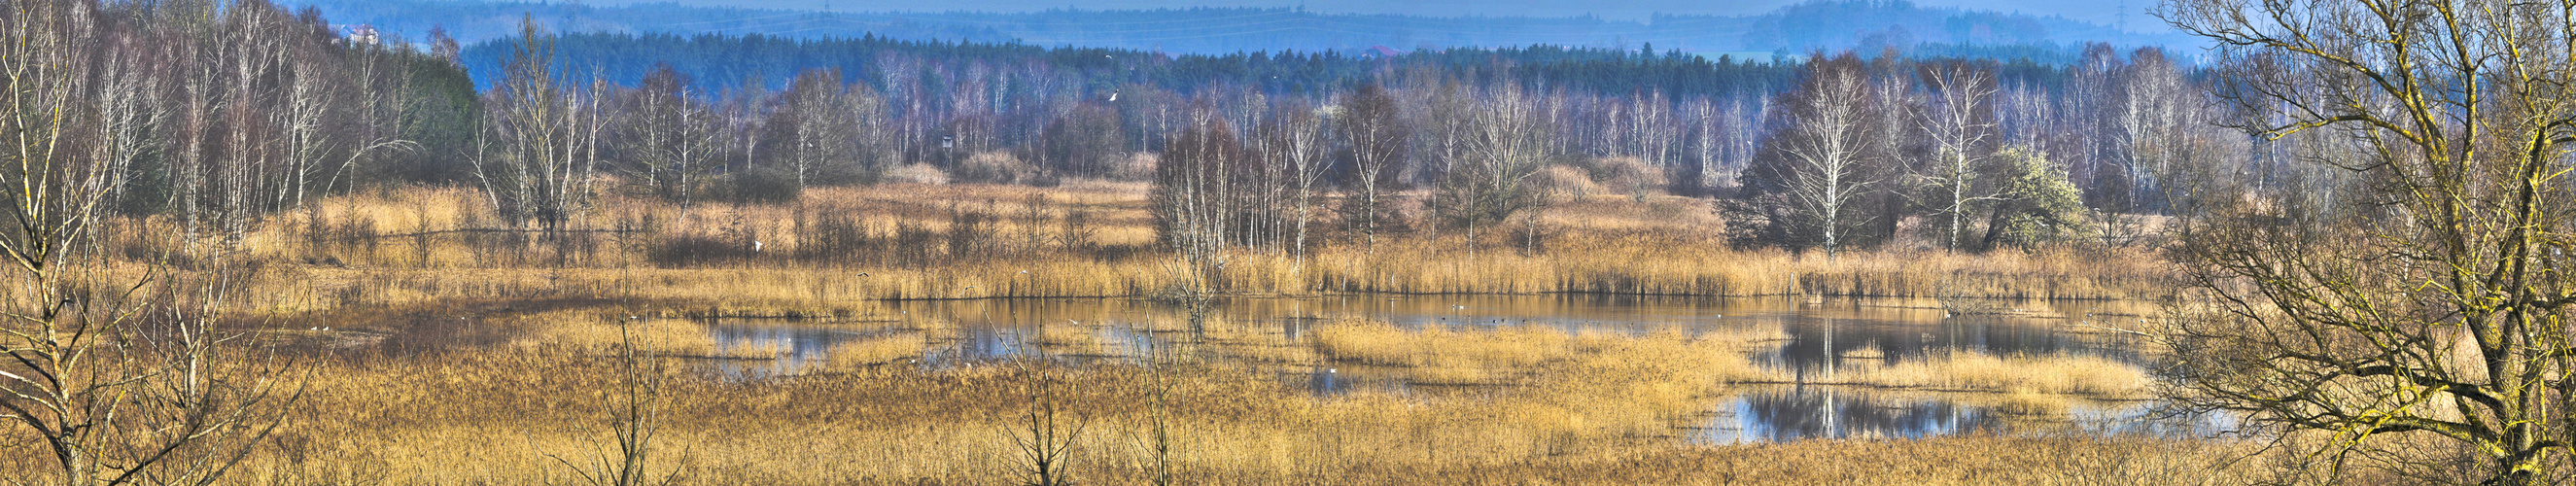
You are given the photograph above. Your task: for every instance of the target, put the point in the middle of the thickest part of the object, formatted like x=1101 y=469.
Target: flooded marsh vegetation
x=440 y=355
x=931 y=395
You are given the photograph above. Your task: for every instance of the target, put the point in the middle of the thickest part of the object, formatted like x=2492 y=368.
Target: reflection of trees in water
x=1827 y=412
x=795 y=349
x=1817 y=342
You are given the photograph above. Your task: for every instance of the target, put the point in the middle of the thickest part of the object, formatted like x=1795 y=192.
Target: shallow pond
x=1814 y=338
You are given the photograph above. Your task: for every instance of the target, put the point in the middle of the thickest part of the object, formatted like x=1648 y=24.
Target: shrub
x=697 y=249
x=763 y=185
x=1137 y=167
x=1564 y=181
x=916 y=174
x=993 y=168
x=835 y=236
x=1629 y=176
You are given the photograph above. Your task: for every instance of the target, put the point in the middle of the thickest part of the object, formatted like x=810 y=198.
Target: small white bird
x=1024 y=272
x=755 y=246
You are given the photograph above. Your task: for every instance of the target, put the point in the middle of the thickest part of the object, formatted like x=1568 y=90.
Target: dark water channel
x=1820 y=337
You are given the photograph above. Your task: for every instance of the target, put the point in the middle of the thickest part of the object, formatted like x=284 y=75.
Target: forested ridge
x=1788 y=31
x=758 y=118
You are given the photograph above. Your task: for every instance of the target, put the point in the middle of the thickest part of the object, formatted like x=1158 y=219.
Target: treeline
x=627 y=58
x=1251 y=149
x=1857 y=153
x=1863 y=25
x=205 y=110
x=245 y=107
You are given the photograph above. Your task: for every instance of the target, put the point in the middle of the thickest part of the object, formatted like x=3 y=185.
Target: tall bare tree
x=548 y=131
x=669 y=137
x=1815 y=163
x=820 y=123
x=1378 y=142
x=1961 y=128
x=1298 y=142
x=2432 y=308
x=119 y=378
x=1504 y=143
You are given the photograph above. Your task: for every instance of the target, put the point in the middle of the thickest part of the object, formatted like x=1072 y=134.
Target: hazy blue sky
x=2105 y=12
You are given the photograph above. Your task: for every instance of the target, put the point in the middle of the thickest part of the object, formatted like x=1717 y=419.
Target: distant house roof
x=1383 y=51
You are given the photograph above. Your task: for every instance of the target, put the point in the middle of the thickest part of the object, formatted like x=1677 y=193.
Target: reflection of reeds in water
x=754 y=349
x=2054 y=374
x=1866 y=351
x=876 y=350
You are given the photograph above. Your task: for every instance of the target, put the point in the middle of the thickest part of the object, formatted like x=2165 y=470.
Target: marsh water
x=1805 y=338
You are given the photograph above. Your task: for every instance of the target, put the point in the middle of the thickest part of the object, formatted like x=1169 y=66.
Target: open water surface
x=1822 y=336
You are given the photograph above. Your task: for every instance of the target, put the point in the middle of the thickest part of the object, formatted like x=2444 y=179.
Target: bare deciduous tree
x=120 y=378
x=2435 y=306
x=669 y=138
x=1504 y=143
x=1815 y=159
x=1378 y=144
x=549 y=134
x=1297 y=142
x=1960 y=126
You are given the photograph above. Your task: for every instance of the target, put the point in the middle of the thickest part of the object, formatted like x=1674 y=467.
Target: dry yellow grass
x=503 y=337
x=2057 y=374
x=1599 y=415
x=877 y=350
x=405 y=247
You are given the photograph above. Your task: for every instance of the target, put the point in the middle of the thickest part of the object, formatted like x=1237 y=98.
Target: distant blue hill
x=1789 y=31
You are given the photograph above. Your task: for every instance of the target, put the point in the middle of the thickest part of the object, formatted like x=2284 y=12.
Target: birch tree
x=1813 y=164
x=1960 y=126
x=548 y=132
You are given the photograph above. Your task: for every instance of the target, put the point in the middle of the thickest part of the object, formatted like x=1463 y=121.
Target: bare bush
x=916 y=174
x=994 y=168
x=1565 y=181
x=1629 y=176
x=1136 y=167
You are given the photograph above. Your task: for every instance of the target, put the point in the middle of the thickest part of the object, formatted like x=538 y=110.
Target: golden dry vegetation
x=462 y=352
x=838 y=248
x=1520 y=405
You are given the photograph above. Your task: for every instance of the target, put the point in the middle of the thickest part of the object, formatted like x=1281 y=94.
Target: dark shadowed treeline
x=251 y=108
x=1841 y=150
x=211 y=108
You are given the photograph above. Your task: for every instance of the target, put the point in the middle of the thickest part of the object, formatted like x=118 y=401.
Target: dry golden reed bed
x=466 y=353
x=1542 y=407
x=839 y=246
